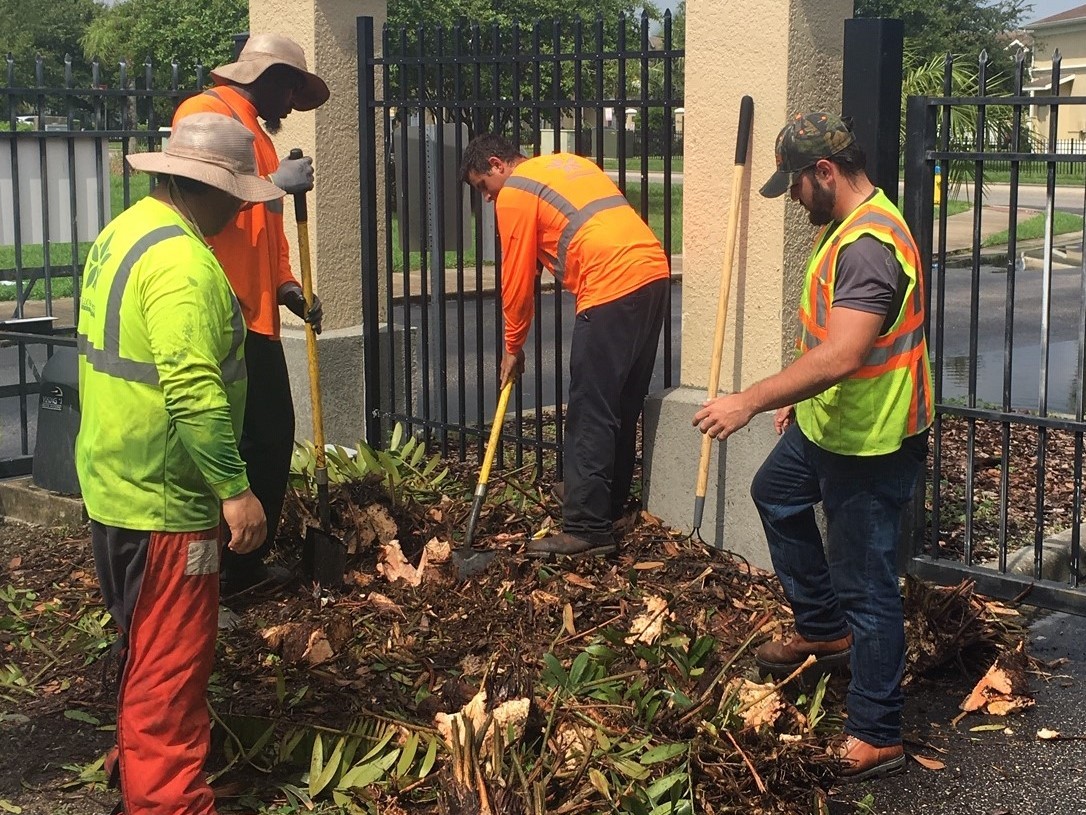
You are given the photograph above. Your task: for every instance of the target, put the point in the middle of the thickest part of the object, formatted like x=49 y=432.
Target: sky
x=1041 y=8
x=1046 y=8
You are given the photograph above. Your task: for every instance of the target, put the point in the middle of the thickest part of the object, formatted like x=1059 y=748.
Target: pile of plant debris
x=622 y=684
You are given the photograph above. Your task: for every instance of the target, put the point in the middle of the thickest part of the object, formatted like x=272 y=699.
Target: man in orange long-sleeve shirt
x=269 y=80
x=563 y=212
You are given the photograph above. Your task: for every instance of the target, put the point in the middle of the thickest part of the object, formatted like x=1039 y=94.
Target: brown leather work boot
x=861 y=761
x=564 y=543
x=780 y=658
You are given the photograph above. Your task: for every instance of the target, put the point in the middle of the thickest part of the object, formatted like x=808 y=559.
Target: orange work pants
x=162 y=589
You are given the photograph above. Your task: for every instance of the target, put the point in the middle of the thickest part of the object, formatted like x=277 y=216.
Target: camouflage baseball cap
x=802 y=142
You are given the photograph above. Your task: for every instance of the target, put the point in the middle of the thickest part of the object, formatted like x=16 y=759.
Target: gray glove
x=291 y=296
x=294 y=175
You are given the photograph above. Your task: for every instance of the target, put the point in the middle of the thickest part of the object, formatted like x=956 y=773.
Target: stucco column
x=786 y=54
x=327 y=30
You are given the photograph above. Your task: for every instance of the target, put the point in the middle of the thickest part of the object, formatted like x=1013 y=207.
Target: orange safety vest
x=561 y=210
x=253 y=250
x=890 y=397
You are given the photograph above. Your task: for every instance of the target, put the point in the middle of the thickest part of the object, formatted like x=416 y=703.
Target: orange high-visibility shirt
x=563 y=211
x=253 y=249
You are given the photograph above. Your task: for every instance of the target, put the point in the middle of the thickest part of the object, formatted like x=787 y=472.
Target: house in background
x=1065 y=32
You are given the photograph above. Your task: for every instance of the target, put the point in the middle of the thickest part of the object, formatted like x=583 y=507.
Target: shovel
x=324 y=557
x=476 y=561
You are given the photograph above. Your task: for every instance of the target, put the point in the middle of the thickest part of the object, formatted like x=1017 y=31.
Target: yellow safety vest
x=890 y=397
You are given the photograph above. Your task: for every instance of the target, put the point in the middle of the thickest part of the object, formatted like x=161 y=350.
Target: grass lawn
x=1034 y=227
x=954 y=207
x=60 y=254
x=633 y=165
x=62 y=287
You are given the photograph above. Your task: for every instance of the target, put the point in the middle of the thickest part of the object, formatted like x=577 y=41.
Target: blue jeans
x=851 y=583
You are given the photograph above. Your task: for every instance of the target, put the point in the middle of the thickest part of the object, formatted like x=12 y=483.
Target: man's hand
x=291 y=296
x=294 y=175
x=512 y=366
x=721 y=417
x=783 y=418
x=245 y=518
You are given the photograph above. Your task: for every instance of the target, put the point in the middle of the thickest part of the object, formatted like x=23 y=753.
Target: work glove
x=294 y=175
x=291 y=296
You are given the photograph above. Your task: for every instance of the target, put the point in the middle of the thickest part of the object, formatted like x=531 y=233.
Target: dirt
x=377 y=651
x=1040 y=482
x=37 y=741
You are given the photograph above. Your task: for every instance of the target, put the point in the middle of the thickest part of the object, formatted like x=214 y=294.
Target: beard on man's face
x=273 y=126
x=823 y=199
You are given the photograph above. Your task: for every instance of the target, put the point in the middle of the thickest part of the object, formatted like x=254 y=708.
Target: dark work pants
x=267 y=441
x=610 y=367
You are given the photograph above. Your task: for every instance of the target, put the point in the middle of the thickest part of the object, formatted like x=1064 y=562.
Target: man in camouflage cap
x=853 y=412
x=801 y=143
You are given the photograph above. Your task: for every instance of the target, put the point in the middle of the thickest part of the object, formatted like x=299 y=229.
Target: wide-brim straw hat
x=214 y=149
x=261 y=52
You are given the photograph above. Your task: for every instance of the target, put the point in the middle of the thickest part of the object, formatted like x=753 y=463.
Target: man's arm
x=850 y=336
x=518 y=226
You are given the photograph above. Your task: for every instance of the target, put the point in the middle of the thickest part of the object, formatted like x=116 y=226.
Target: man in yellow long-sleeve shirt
x=563 y=212
x=162 y=389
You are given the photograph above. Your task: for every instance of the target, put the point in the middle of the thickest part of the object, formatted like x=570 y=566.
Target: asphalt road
x=1066 y=323
x=545 y=357
x=1007 y=771
x=1031 y=196
x=10 y=422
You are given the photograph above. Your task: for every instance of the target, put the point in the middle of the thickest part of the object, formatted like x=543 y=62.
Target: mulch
x=402 y=654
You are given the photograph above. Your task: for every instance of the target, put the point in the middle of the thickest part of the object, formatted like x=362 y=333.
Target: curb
x=21 y=500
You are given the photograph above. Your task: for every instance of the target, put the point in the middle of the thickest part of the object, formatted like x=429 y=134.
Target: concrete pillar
x=326 y=29
x=786 y=54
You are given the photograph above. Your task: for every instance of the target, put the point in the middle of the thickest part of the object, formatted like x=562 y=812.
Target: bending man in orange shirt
x=563 y=212
x=269 y=81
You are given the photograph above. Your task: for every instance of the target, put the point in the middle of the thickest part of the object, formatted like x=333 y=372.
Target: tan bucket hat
x=262 y=51
x=214 y=149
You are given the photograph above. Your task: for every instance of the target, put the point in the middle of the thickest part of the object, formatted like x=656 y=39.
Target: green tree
x=965 y=27
x=927 y=77
x=517 y=48
x=51 y=29
x=188 y=31
x=678 y=25
x=505 y=13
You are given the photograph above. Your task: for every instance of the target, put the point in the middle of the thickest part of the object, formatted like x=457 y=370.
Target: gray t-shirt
x=869 y=278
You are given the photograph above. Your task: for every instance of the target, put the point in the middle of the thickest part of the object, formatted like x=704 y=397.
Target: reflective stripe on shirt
x=108 y=359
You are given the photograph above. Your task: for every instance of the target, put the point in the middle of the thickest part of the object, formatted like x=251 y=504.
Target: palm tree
x=951 y=75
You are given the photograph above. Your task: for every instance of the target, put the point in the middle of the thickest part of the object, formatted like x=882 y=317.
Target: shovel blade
x=324 y=558
x=470 y=563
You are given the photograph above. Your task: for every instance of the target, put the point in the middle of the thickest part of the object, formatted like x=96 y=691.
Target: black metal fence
x=62 y=177
x=431 y=290
x=1032 y=143
x=1007 y=325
